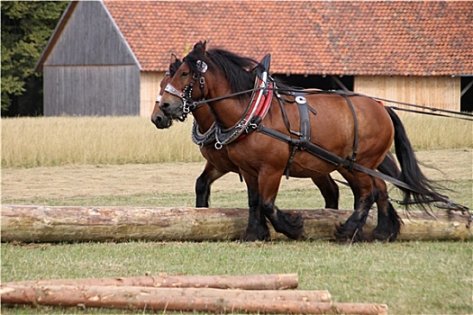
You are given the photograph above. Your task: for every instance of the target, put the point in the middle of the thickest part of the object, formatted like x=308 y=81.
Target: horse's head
x=187 y=85
x=206 y=74
x=158 y=117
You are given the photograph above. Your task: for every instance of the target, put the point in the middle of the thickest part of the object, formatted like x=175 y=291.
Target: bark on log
x=249 y=282
x=75 y=224
x=185 y=299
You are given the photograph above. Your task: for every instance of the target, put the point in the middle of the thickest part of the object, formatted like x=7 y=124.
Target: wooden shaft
x=63 y=224
x=248 y=282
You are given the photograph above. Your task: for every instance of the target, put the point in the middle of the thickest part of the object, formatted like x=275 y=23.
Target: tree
x=26 y=28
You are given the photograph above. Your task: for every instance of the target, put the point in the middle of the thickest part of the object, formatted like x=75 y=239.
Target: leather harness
x=255 y=113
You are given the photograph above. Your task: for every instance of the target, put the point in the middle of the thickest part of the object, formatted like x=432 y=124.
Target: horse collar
x=254 y=114
x=204 y=138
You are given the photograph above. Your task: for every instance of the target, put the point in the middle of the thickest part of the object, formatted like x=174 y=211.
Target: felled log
x=75 y=224
x=185 y=299
x=248 y=282
x=170 y=299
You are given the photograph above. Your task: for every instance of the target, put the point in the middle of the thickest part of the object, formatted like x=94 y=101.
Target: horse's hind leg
x=203 y=183
x=389 y=223
x=290 y=225
x=364 y=195
x=329 y=190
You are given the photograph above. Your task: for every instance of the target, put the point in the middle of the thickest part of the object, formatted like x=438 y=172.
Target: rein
x=434 y=111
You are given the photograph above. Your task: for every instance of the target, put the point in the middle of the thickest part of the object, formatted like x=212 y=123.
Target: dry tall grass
x=431 y=132
x=49 y=141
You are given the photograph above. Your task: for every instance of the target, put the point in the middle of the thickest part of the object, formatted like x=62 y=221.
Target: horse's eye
x=185 y=74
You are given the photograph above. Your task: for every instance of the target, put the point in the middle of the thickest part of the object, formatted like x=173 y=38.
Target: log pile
x=217 y=294
x=77 y=224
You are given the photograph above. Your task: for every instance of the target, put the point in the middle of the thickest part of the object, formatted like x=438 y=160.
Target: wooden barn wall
x=90 y=38
x=439 y=92
x=91 y=90
x=149 y=90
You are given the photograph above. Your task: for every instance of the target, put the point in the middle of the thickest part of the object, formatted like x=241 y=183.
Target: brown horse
x=218 y=162
x=225 y=78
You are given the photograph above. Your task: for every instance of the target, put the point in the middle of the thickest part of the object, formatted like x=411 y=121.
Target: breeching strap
x=328 y=156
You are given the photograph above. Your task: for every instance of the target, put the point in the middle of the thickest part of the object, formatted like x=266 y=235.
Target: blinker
x=201 y=66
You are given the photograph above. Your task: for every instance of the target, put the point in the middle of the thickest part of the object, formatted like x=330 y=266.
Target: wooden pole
x=63 y=224
x=248 y=282
x=170 y=299
x=186 y=299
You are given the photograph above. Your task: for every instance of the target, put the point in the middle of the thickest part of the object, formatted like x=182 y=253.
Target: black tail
x=424 y=190
x=389 y=166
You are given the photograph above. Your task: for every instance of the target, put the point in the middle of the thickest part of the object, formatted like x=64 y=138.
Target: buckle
x=300 y=100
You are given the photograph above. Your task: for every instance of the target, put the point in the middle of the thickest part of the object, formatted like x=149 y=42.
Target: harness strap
x=303 y=117
x=330 y=157
x=304 y=134
x=354 y=151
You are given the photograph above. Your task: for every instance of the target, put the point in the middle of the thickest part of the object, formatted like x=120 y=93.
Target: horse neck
x=229 y=111
x=203 y=117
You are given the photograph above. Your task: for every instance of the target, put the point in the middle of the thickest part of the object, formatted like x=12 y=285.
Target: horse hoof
x=294 y=226
x=256 y=235
x=384 y=236
x=346 y=235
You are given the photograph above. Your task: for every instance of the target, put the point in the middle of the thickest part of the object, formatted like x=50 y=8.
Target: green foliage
x=26 y=27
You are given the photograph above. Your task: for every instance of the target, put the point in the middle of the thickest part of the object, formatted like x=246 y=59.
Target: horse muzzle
x=161 y=121
x=174 y=110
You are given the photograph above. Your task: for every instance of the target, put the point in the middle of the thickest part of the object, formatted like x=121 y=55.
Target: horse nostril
x=165 y=105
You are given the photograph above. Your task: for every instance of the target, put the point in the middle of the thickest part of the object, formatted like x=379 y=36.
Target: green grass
x=412 y=278
x=299 y=198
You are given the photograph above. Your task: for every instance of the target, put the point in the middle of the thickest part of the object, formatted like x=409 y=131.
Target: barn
x=108 y=57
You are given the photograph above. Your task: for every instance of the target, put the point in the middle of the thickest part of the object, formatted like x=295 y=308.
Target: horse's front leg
x=203 y=183
x=290 y=225
x=257 y=229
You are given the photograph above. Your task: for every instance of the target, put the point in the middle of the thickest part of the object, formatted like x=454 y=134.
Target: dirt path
x=68 y=181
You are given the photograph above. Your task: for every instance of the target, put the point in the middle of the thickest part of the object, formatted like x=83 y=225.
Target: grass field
x=125 y=161
x=51 y=141
x=412 y=277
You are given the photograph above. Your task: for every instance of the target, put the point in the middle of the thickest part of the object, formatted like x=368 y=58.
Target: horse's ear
x=173 y=58
x=200 y=47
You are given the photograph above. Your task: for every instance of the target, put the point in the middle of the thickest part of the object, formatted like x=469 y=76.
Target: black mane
x=238 y=70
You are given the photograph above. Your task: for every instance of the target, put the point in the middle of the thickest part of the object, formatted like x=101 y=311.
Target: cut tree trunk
x=186 y=299
x=248 y=282
x=75 y=224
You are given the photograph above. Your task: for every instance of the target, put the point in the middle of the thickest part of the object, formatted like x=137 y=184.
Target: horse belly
x=219 y=159
x=308 y=165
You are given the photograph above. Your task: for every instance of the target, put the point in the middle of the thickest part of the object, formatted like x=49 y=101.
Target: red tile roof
x=351 y=38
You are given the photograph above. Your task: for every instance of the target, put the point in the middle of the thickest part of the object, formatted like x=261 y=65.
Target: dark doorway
x=316 y=81
x=466 y=100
